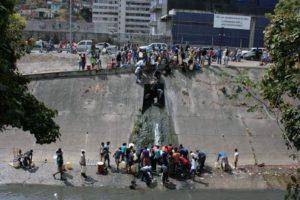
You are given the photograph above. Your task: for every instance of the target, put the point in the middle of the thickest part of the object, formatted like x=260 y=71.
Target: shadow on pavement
x=201 y=182
x=170 y=185
x=90 y=180
x=33 y=169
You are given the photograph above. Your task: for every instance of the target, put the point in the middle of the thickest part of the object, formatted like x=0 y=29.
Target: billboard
x=232 y=21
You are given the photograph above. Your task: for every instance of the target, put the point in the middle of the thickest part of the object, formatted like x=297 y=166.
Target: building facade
x=123 y=17
x=192 y=21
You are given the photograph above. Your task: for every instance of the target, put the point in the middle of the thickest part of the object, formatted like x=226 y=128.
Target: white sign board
x=232 y=21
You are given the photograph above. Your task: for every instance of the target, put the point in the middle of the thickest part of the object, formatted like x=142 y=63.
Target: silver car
x=84 y=45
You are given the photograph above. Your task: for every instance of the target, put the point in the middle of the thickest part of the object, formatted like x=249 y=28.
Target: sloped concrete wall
x=102 y=106
x=205 y=119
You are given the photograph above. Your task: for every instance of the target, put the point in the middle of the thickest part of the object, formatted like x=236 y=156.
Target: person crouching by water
x=60 y=164
x=82 y=163
x=222 y=157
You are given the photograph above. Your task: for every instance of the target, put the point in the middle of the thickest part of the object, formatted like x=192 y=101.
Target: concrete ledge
x=105 y=72
x=75 y=74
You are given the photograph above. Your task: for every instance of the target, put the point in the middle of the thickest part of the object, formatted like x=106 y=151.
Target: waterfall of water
x=156 y=134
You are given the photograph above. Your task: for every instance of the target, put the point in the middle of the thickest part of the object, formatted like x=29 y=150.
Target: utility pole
x=70 y=31
x=70 y=22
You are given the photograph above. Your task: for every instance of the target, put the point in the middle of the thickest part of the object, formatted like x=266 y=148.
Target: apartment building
x=122 y=16
x=211 y=23
x=159 y=11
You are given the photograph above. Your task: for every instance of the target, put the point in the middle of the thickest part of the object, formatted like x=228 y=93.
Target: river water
x=41 y=192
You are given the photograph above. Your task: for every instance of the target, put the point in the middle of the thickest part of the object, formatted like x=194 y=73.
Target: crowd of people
x=145 y=162
x=187 y=57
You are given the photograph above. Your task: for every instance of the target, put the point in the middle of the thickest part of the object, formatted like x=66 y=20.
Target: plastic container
x=68 y=166
x=100 y=167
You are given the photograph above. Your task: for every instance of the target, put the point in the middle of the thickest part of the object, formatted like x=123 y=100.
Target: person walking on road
x=235 y=158
x=219 y=56
x=82 y=163
x=83 y=61
x=60 y=164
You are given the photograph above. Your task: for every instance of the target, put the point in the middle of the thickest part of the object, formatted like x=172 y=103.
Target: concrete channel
x=97 y=107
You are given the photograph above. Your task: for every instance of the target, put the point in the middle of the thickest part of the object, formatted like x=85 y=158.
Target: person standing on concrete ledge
x=139 y=70
x=235 y=158
x=106 y=154
x=101 y=151
x=60 y=164
x=82 y=163
x=117 y=156
x=83 y=61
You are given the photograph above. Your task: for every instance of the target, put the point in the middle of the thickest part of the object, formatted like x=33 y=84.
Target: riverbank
x=95 y=109
x=244 y=178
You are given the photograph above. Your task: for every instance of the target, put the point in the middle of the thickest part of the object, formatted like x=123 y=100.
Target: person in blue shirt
x=222 y=157
x=123 y=151
x=219 y=56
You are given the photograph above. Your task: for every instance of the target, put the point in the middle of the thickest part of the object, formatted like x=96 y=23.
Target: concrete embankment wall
x=91 y=110
x=100 y=108
x=207 y=120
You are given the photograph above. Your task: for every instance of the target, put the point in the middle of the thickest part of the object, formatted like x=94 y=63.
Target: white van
x=84 y=45
x=155 y=46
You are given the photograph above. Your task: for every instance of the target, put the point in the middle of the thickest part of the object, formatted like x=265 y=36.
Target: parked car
x=254 y=54
x=252 y=49
x=100 y=46
x=84 y=45
x=154 y=46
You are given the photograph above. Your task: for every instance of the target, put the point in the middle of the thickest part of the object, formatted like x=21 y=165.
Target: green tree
x=19 y=108
x=86 y=14
x=281 y=83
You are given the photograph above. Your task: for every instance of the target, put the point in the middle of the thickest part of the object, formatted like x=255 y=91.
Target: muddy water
x=40 y=192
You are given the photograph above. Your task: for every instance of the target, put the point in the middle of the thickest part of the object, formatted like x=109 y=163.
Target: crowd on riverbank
x=189 y=58
x=185 y=56
x=142 y=162
x=145 y=162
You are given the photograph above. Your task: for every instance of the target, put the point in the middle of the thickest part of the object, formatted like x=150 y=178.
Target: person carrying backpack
x=145 y=156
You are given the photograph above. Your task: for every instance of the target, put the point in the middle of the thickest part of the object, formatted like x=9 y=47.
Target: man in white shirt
x=193 y=167
x=139 y=70
x=235 y=158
